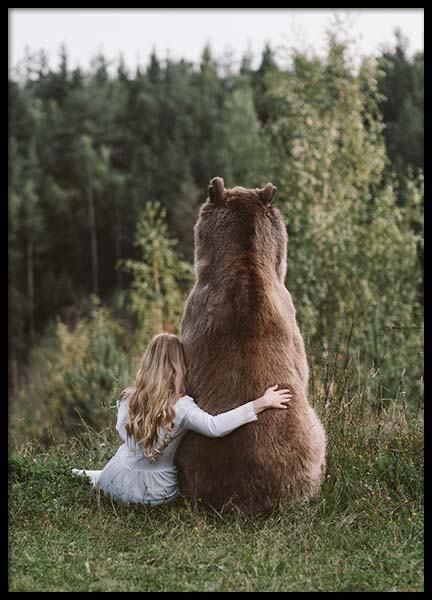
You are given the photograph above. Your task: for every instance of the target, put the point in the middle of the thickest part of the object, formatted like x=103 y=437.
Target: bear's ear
x=268 y=193
x=216 y=190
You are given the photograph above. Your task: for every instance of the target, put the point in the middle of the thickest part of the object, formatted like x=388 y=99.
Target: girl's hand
x=272 y=398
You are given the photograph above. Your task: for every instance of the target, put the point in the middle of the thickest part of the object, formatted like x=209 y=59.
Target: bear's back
x=240 y=337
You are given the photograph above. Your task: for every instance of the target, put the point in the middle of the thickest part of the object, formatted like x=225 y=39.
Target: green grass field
x=365 y=533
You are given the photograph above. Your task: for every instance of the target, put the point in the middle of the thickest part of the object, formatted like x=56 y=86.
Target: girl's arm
x=199 y=421
x=123 y=414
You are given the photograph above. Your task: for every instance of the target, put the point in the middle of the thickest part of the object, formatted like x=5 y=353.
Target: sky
x=183 y=33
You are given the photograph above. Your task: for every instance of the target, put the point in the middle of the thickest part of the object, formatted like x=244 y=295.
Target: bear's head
x=237 y=228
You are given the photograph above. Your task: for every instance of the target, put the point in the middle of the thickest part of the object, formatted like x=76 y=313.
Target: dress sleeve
x=199 y=421
x=122 y=417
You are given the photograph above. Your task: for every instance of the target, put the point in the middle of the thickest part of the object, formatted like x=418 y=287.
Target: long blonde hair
x=159 y=382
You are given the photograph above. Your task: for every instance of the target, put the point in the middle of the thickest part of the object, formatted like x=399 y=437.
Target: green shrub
x=74 y=377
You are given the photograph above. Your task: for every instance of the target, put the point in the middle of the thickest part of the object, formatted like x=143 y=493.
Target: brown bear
x=240 y=337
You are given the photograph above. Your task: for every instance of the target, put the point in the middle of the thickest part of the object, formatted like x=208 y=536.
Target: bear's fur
x=240 y=336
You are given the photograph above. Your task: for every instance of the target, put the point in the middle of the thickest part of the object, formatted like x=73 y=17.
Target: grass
x=365 y=532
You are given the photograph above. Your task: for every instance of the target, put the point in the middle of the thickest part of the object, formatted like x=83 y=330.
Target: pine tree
x=402 y=104
x=160 y=279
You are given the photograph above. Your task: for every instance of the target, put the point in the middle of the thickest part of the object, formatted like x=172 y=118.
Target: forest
x=107 y=172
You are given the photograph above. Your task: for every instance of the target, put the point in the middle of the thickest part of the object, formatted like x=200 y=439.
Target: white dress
x=130 y=477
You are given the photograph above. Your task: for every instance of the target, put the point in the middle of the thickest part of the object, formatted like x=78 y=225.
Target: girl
x=152 y=418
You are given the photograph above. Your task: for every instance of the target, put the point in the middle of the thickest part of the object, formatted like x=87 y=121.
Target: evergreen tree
x=264 y=73
x=93 y=169
x=160 y=279
x=402 y=105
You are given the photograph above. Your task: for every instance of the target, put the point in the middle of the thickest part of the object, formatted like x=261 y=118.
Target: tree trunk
x=30 y=288
x=93 y=238
x=158 y=295
x=13 y=381
x=118 y=249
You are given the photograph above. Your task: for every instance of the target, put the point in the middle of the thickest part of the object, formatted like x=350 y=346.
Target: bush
x=74 y=377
